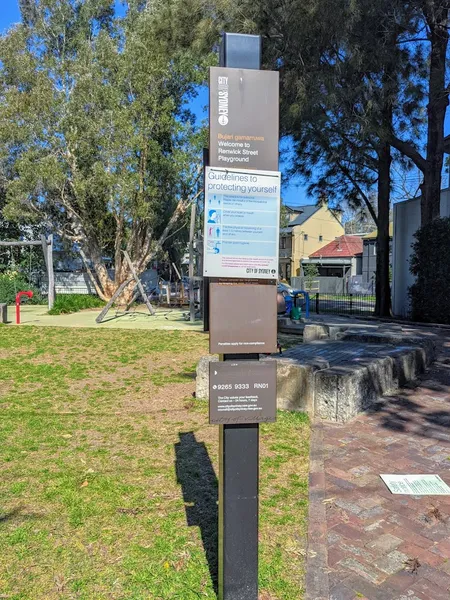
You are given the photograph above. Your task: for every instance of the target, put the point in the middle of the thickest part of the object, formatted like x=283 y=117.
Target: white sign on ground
x=416 y=485
x=242 y=216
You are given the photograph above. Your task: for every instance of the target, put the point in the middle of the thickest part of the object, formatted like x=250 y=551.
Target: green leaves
x=430 y=263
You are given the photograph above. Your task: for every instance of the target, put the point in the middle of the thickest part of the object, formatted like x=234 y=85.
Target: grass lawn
x=108 y=471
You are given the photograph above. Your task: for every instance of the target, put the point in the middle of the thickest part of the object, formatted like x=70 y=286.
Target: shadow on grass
x=190 y=376
x=195 y=474
x=8 y=516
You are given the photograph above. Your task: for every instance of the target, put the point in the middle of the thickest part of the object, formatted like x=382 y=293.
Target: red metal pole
x=30 y=295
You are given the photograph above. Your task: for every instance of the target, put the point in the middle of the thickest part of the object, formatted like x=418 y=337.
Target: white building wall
x=406 y=223
x=79 y=283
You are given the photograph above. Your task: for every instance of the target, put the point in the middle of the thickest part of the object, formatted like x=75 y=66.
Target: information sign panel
x=241 y=224
x=244 y=114
x=416 y=485
x=243 y=317
x=242 y=392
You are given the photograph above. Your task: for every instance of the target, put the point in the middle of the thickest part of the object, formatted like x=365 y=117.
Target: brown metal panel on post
x=245 y=317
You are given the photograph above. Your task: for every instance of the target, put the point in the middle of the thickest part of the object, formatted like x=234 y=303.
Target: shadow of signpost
x=195 y=474
x=11 y=514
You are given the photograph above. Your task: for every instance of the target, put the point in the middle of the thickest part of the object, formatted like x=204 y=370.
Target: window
x=320 y=238
x=283 y=243
x=359 y=265
x=374 y=249
x=305 y=237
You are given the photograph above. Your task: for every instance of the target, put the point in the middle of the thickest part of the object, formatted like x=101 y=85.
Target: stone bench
x=341 y=392
x=337 y=380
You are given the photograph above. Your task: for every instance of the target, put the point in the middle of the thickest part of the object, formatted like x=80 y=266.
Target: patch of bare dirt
x=6 y=354
x=266 y=596
x=138 y=370
x=170 y=397
x=5 y=388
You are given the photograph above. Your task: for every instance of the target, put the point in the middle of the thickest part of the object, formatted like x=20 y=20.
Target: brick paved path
x=363 y=541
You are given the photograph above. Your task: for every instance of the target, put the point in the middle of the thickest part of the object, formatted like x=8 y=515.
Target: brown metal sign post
x=242 y=197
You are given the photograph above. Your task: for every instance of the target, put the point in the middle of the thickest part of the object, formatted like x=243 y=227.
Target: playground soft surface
x=108 y=486
x=167 y=318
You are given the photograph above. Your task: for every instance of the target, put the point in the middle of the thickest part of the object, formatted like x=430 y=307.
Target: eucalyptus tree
x=95 y=132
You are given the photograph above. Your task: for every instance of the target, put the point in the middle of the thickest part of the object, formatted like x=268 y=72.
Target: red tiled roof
x=346 y=245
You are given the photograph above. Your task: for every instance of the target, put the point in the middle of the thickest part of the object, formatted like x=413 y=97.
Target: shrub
x=70 y=303
x=311 y=273
x=430 y=263
x=12 y=282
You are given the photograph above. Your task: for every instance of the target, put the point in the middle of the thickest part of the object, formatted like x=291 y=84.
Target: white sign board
x=242 y=216
x=416 y=485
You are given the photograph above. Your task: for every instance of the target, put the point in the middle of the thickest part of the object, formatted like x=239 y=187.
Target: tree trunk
x=437 y=20
x=382 y=285
x=139 y=247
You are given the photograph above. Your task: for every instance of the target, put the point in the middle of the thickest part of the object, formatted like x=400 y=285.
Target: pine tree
x=341 y=67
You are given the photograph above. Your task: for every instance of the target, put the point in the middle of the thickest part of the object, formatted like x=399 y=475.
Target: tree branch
x=370 y=160
x=360 y=191
x=408 y=150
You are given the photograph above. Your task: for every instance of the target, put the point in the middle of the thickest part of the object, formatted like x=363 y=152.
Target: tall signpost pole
x=242 y=196
x=205 y=288
x=191 y=264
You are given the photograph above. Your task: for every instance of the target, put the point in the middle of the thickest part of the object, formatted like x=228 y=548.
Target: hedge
x=430 y=263
x=12 y=282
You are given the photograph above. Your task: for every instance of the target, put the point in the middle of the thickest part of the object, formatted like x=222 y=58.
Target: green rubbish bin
x=296 y=313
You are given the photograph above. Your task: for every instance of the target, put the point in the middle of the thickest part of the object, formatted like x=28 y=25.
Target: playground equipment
x=122 y=287
x=18 y=297
x=281 y=304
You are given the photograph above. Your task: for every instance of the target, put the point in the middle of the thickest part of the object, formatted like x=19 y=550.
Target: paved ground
x=365 y=542
x=141 y=319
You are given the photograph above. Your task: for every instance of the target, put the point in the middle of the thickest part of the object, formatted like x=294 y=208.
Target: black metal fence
x=342 y=304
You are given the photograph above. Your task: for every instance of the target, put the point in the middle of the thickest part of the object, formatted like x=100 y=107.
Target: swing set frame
x=47 y=248
x=120 y=289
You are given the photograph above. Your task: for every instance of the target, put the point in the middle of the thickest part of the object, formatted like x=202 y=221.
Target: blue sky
x=9 y=13
x=293 y=193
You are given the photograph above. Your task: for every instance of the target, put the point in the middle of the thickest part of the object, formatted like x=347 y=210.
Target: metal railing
x=72 y=289
x=343 y=304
